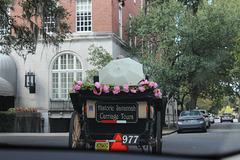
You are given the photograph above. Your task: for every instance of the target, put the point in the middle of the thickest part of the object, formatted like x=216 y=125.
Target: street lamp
x=30 y=82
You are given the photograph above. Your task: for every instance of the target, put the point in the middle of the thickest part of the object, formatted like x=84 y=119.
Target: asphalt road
x=221 y=138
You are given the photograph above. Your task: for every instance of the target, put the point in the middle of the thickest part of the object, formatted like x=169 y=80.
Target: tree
x=235 y=72
x=24 y=36
x=155 y=33
x=191 y=5
x=99 y=58
x=187 y=53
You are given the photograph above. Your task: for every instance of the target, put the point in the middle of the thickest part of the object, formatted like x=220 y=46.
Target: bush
x=7 y=121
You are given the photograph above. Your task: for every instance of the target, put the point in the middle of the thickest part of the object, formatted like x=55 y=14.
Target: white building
x=55 y=69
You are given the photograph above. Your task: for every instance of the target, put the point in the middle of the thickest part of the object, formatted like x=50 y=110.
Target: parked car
x=226 y=117
x=205 y=114
x=191 y=120
x=211 y=117
x=216 y=117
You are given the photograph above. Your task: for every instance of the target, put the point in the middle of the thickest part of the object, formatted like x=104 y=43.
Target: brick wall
x=69 y=5
x=105 y=14
x=130 y=7
x=102 y=15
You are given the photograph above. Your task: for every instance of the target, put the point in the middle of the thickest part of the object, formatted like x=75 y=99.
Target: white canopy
x=8 y=73
x=6 y=89
x=121 y=71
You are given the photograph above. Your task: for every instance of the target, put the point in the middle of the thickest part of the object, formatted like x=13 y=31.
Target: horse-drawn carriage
x=104 y=117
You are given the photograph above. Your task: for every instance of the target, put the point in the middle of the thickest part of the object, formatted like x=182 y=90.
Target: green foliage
x=204 y=104
x=26 y=35
x=226 y=109
x=154 y=40
x=99 y=58
x=191 y=5
x=7 y=121
x=188 y=53
x=235 y=72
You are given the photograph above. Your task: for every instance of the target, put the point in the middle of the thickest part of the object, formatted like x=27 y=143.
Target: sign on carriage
x=117 y=113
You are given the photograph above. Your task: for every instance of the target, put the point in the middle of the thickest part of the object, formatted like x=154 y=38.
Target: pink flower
x=97 y=84
x=126 y=88
x=74 y=88
x=146 y=82
x=155 y=85
x=160 y=95
x=157 y=93
x=142 y=83
x=106 y=89
x=77 y=87
x=116 y=90
x=95 y=91
x=133 y=90
x=79 y=83
x=151 y=84
x=141 y=89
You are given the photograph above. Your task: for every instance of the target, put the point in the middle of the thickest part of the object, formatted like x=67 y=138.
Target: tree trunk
x=194 y=97
x=164 y=104
x=182 y=102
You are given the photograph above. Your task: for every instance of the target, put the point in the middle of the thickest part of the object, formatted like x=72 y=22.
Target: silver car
x=226 y=117
x=191 y=120
x=205 y=115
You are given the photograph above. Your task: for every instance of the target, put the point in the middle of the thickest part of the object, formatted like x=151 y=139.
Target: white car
x=211 y=117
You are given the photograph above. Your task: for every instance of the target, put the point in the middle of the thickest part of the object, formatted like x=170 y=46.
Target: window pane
x=85 y=8
x=63 y=61
x=55 y=85
x=70 y=81
x=79 y=76
x=55 y=66
x=66 y=69
x=63 y=85
x=70 y=62
x=49 y=24
x=78 y=64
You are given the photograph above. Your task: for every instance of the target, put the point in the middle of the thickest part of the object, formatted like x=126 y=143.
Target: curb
x=165 y=134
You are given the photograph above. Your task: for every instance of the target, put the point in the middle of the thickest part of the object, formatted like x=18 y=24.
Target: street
x=221 y=138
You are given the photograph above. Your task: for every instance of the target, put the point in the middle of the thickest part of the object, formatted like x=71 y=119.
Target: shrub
x=22 y=109
x=7 y=121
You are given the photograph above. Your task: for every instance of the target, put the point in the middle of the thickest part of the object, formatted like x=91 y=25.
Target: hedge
x=7 y=121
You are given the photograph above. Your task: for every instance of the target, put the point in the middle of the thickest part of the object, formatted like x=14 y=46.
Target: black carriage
x=96 y=119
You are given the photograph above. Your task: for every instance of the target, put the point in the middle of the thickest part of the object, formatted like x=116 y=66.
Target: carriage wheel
x=157 y=148
x=74 y=130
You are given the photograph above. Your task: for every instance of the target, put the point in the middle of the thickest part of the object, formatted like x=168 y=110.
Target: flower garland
x=98 y=88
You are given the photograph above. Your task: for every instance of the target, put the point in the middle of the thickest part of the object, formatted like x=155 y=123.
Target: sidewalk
x=166 y=131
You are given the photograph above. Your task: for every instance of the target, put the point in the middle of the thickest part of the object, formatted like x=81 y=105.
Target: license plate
x=102 y=146
x=129 y=139
x=191 y=120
